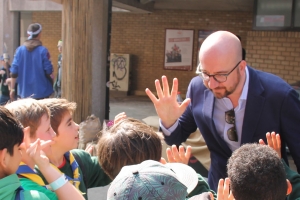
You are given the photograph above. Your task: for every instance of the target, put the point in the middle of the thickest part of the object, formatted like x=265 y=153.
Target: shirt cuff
x=168 y=131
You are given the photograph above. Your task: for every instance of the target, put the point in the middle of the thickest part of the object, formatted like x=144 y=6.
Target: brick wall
x=275 y=52
x=143 y=36
x=51 y=33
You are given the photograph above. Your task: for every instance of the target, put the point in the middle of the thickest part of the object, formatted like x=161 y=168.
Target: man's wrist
x=12 y=90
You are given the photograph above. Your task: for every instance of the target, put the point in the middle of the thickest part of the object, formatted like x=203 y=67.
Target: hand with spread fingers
x=224 y=192
x=175 y=156
x=273 y=141
x=119 y=117
x=181 y=156
x=166 y=105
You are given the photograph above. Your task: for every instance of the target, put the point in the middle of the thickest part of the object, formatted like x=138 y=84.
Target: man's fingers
x=184 y=104
x=174 y=88
x=166 y=90
x=158 y=88
x=151 y=96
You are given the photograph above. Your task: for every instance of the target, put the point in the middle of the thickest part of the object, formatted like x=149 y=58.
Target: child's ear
x=289 y=187
x=3 y=158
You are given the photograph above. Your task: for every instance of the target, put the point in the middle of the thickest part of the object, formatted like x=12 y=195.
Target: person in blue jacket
x=231 y=103
x=33 y=67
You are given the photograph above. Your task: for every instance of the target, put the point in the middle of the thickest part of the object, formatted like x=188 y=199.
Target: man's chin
x=219 y=94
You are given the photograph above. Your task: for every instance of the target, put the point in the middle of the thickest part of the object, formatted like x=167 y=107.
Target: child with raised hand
x=30 y=113
x=130 y=142
x=274 y=142
x=81 y=169
x=11 y=137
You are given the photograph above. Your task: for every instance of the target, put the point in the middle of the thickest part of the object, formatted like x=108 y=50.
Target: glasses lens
x=220 y=78
x=232 y=135
x=204 y=76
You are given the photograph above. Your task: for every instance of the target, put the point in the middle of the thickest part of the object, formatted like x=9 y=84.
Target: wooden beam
x=77 y=44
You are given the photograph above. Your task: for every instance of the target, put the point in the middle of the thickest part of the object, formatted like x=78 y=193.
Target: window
x=277 y=15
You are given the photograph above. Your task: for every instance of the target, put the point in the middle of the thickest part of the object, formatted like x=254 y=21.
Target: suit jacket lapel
x=254 y=107
x=208 y=108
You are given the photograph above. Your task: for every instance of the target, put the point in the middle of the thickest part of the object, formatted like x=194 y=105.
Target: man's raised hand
x=166 y=105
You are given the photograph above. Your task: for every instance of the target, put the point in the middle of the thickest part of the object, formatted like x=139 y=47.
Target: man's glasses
x=230 y=119
x=218 y=77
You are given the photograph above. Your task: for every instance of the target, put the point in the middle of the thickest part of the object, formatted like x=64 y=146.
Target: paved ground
x=138 y=107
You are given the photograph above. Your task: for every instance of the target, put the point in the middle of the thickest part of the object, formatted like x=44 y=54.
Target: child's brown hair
x=128 y=142
x=58 y=107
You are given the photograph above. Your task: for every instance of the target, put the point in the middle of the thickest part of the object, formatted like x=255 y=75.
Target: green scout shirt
x=94 y=175
x=8 y=186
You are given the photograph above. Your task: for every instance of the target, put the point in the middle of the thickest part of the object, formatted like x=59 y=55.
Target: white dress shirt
x=220 y=107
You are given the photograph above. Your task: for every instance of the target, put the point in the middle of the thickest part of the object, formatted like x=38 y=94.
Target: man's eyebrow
x=219 y=72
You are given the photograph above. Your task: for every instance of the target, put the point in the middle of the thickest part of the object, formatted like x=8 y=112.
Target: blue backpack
x=20 y=194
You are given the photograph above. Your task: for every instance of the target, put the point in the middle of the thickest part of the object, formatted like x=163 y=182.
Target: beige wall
x=143 y=36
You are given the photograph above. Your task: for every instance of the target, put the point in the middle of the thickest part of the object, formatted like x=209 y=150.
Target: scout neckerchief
x=75 y=168
x=25 y=171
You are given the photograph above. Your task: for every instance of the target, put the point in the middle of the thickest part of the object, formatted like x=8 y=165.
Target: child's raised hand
x=119 y=117
x=181 y=156
x=26 y=139
x=273 y=141
x=35 y=152
x=89 y=149
x=224 y=192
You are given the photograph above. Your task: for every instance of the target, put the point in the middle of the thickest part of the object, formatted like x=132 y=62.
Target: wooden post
x=84 y=27
x=76 y=81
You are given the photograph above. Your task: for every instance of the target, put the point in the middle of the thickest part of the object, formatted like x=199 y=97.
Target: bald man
x=231 y=104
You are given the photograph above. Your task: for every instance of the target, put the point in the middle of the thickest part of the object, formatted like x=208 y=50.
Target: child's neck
x=56 y=157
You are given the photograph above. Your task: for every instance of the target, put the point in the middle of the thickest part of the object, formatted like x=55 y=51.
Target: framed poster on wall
x=179 y=49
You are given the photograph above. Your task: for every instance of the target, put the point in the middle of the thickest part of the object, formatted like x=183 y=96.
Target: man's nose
x=212 y=83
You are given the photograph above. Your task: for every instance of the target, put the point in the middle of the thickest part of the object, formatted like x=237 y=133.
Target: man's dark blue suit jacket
x=272 y=105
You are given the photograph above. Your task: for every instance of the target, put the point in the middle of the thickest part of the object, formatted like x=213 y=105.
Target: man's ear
x=3 y=158
x=289 y=187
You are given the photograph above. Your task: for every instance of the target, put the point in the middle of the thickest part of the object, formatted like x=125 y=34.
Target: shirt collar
x=246 y=86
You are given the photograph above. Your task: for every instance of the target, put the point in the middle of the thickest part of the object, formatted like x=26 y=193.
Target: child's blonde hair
x=29 y=112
